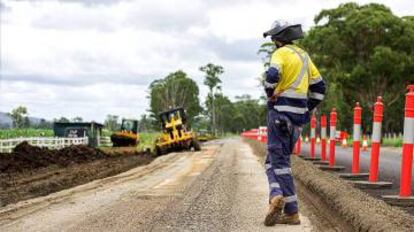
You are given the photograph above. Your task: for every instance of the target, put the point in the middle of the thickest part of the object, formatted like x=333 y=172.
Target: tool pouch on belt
x=285 y=126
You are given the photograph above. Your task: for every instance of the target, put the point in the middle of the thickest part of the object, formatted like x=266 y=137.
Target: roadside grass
x=392 y=142
x=147 y=140
x=29 y=132
x=385 y=142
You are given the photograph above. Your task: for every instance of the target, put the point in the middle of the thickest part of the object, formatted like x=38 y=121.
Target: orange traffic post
x=332 y=146
x=296 y=151
x=408 y=141
x=355 y=174
x=332 y=133
x=313 y=138
x=376 y=140
x=322 y=160
x=405 y=197
x=313 y=141
x=323 y=137
x=375 y=151
x=356 y=138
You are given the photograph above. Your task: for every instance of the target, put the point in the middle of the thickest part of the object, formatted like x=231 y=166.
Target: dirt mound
x=28 y=157
x=31 y=171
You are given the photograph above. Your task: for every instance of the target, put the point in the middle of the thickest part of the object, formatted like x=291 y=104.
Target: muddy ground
x=31 y=171
x=358 y=209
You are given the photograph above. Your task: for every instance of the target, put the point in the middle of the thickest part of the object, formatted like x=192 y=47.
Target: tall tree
x=212 y=81
x=62 y=119
x=77 y=119
x=175 y=90
x=111 y=122
x=145 y=123
x=18 y=116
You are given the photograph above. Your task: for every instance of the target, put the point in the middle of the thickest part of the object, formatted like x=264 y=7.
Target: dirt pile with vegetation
x=26 y=157
x=31 y=171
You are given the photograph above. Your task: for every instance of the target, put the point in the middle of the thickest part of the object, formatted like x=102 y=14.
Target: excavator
x=127 y=136
x=175 y=136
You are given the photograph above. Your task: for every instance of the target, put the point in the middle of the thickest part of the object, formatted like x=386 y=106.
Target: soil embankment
x=31 y=171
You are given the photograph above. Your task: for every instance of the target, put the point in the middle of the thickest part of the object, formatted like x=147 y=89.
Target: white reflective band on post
x=408 y=130
x=268 y=166
x=290 y=199
x=317 y=96
x=376 y=132
x=313 y=133
x=283 y=171
x=323 y=132
x=274 y=185
x=357 y=132
x=296 y=110
x=269 y=85
x=293 y=94
x=315 y=80
x=332 y=133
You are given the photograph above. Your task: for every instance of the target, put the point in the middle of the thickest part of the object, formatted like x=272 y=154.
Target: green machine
x=92 y=130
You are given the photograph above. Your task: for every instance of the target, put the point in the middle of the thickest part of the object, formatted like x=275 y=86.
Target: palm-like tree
x=212 y=81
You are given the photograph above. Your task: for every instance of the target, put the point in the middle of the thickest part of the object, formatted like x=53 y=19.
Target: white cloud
x=92 y=58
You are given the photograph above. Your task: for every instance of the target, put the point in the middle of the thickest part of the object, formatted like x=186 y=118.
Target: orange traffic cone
x=344 y=142
x=365 y=144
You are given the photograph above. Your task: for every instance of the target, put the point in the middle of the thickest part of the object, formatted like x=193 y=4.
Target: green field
x=16 y=133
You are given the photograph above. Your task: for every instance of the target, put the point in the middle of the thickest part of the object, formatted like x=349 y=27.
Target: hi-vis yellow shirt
x=296 y=71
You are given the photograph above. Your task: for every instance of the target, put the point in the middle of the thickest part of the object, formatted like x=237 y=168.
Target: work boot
x=275 y=210
x=289 y=219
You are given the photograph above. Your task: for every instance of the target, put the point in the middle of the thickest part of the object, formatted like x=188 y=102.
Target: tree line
x=217 y=113
x=21 y=120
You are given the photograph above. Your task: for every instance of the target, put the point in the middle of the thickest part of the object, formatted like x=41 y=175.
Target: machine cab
x=175 y=117
x=129 y=125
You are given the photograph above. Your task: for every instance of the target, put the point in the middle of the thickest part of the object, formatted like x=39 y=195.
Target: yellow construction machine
x=175 y=136
x=127 y=136
x=204 y=136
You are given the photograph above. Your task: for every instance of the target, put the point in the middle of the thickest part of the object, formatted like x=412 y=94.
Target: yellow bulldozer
x=204 y=136
x=175 y=136
x=127 y=136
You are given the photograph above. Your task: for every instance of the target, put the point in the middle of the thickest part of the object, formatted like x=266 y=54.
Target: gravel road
x=221 y=188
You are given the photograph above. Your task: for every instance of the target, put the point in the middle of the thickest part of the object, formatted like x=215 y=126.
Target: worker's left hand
x=273 y=98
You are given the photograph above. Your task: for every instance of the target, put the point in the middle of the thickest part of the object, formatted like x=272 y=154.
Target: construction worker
x=294 y=87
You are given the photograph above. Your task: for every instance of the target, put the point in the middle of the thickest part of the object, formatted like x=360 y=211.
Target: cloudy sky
x=97 y=57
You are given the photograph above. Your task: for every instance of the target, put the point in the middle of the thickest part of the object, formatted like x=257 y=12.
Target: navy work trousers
x=281 y=140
